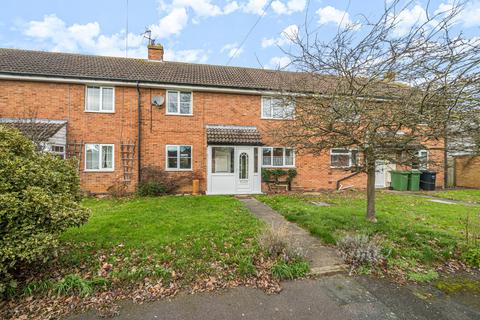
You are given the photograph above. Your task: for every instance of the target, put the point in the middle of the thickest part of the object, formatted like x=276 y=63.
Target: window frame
x=100 y=169
x=101 y=98
x=178 y=113
x=271 y=109
x=178 y=157
x=232 y=164
x=63 y=154
x=271 y=165
x=423 y=166
x=347 y=151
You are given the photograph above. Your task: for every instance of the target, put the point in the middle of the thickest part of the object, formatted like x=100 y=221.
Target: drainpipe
x=139 y=133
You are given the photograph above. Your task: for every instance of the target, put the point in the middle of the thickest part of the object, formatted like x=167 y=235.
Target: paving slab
x=323 y=259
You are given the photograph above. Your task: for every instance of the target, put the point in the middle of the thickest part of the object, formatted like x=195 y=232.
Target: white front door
x=244 y=172
x=380 y=173
x=232 y=170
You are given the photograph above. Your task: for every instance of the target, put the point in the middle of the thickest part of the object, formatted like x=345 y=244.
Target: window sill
x=178 y=170
x=277 y=119
x=91 y=111
x=99 y=171
x=279 y=167
x=179 y=114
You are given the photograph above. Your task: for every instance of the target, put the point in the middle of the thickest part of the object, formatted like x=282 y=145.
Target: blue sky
x=202 y=31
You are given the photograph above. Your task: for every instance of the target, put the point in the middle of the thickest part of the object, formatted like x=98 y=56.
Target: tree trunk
x=445 y=160
x=371 y=193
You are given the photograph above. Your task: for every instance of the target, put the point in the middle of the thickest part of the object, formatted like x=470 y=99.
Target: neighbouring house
x=118 y=115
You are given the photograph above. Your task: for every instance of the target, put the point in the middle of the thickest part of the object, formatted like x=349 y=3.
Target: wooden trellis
x=128 y=157
x=74 y=150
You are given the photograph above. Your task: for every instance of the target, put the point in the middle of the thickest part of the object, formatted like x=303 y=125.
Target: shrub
x=118 y=189
x=39 y=198
x=279 y=243
x=472 y=257
x=360 y=251
x=155 y=182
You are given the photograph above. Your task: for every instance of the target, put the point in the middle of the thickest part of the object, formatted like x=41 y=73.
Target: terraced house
x=213 y=123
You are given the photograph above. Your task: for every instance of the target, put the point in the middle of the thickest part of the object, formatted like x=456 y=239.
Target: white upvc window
x=58 y=150
x=278 y=157
x=276 y=108
x=100 y=99
x=99 y=157
x=343 y=158
x=178 y=157
x=422 y=157
x=179 y=103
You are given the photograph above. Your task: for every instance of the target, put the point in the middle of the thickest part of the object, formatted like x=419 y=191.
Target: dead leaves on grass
x=106 y=303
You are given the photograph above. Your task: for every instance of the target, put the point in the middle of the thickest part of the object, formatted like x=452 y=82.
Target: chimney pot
x=155 y=52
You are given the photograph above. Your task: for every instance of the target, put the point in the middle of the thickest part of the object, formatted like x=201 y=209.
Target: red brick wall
x=66 y=102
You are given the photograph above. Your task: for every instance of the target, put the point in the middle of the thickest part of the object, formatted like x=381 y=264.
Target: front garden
x=416 y=237
x=147 y=248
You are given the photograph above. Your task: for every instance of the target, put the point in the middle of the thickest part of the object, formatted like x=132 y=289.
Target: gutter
x=139 y=133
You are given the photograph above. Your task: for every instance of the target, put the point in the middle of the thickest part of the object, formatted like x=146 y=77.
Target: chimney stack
x=155 y=52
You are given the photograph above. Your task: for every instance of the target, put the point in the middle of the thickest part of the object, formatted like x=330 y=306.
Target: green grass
x=289 y=271
x=184 y=238
x=467 y=195
x=413 y=231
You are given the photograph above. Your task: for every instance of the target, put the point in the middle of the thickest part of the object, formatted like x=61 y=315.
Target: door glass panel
x=255 y=160
x=243 y=166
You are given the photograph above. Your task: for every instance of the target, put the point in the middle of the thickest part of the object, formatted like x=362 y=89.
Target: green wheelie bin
x=399 y=180
x=414 y=180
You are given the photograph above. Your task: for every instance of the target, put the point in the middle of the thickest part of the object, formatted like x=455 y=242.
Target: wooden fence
x=467 y=171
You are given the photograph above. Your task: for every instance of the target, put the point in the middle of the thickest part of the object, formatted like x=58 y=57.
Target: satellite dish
x=158 y=101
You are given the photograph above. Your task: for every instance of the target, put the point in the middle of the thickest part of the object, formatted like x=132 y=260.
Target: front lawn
x=194 y=236
x=415 y=233
x=467 y=195
x=142 y=249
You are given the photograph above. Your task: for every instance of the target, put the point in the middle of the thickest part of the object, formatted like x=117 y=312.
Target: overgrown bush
x=155 y=182
x=358 y=251
x=39 y=198
x=279 y=243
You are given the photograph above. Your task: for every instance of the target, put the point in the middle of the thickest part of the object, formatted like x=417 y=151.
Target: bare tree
x=385 y=91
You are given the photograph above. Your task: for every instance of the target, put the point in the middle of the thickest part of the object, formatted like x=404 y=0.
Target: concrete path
x=434 y=198
x=323 y=260
x=335 y=297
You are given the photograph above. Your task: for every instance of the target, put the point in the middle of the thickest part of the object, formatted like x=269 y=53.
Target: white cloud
x=279 y=62
x=407 y=18
x=192 y=55
x=286 y=36
x=255 y=6
x=330 y=14
x=55 y=35
x=231 y=7
x=232 y=49
x=469 y=17
x=171 y=24
x=288 y=7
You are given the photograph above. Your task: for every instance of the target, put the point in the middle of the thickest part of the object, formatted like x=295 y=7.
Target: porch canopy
x=38 y=130
x=233 y=135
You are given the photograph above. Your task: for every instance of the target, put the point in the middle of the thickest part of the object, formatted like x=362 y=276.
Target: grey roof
x=233 y=135
x=35 y=129
x=78 y=66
